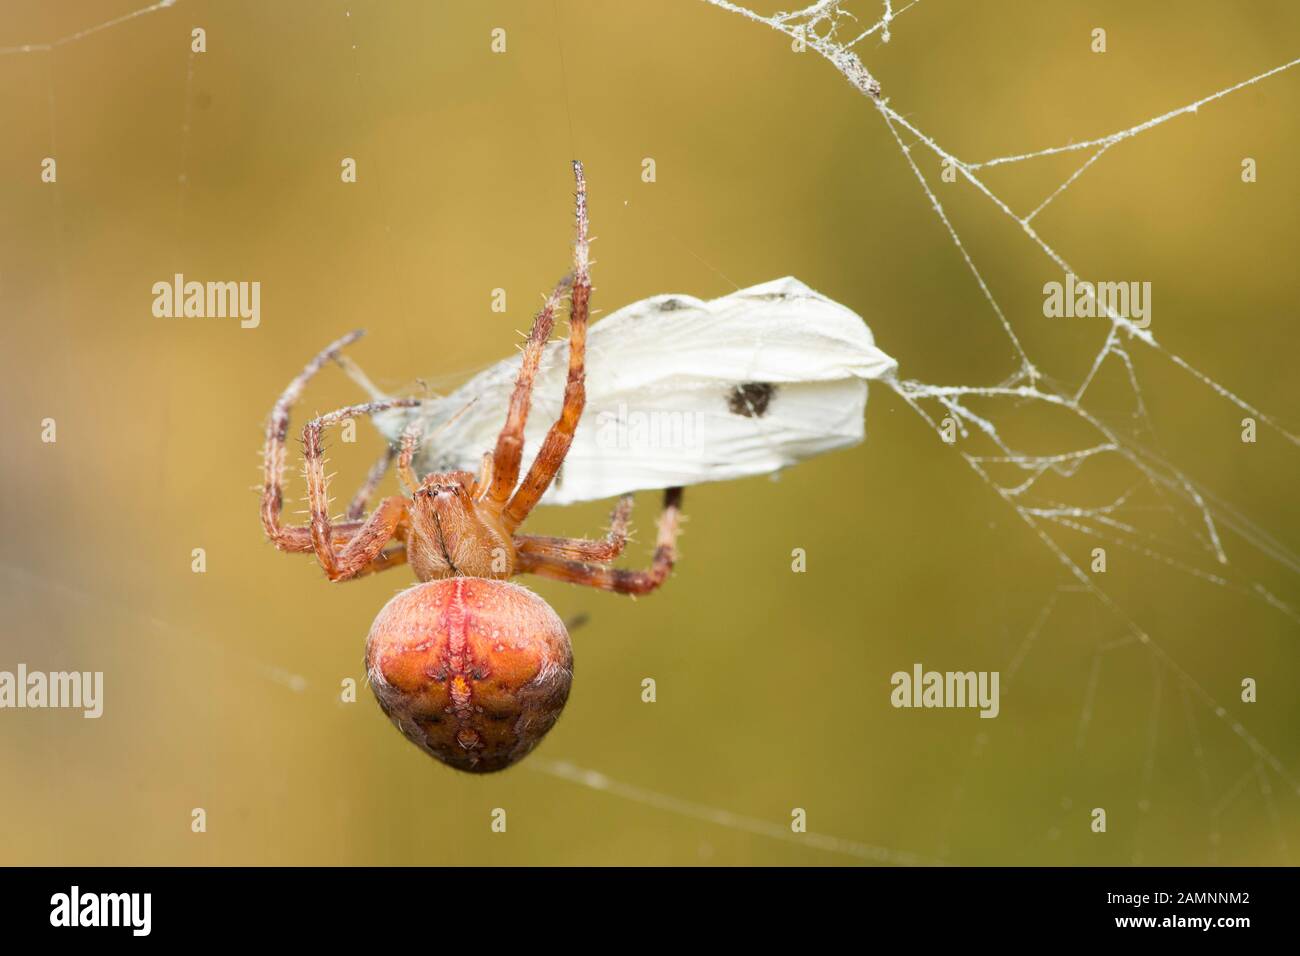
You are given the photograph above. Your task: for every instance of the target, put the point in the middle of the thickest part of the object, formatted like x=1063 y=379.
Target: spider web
x=1198 y=546
x=830 y=29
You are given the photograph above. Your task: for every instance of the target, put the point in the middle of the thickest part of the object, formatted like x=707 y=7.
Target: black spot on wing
x=670 y=305
x=751 y=399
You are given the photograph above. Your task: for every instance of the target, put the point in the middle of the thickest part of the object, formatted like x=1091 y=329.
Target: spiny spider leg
x=556 y=445
x=366 y=544
x=510 y=443
x=273 y=456
x=388 y=558
x=620 y=580
x=361 y=500
x=410 y=441
x=582 y=549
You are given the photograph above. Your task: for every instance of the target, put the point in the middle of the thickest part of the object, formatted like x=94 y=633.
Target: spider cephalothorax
x=450 y=536
x=473 y=669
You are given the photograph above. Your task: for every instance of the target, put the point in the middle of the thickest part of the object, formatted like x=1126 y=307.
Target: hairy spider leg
x=556 y=444
x=361 y=500
x=583 y=549
x=297 y=539
x=367 y=543
x=410 y=441
x=619 y=580
x=504 y=470
x=337 y=546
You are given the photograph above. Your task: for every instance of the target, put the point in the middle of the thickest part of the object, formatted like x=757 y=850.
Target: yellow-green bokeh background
x=222 y=688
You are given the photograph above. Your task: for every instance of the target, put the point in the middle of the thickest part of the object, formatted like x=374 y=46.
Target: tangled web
x=830 y=29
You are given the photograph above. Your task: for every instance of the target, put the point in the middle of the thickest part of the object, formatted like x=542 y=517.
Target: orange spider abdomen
x=474 y=671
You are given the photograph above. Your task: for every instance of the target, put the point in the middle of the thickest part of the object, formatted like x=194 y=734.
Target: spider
x=472 y=668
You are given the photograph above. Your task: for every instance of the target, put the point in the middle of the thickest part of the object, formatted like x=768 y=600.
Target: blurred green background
x=222 y=688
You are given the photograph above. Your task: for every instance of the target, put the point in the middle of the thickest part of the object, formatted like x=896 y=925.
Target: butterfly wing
x=679 y=391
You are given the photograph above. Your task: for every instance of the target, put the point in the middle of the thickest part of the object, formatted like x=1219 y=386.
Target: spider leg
x=620 y=580
x=354 y=372
x=582 y=549
x=365 y=551
x=484 y=479
x=510 y=443
x=273 y=456
x=556 y=445
x=410 y=440
x=391 y=557
x=361 y=500
x=365 y=545
x=388 y=558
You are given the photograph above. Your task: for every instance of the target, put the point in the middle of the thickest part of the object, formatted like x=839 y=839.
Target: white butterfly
x=679 y=391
